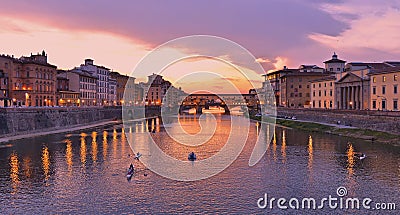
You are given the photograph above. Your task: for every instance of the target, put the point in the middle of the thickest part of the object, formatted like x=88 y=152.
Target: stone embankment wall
x=388 y=121
x=14 y=121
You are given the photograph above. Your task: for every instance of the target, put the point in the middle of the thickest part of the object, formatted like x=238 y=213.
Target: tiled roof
x=335 y=61
x=326 y=78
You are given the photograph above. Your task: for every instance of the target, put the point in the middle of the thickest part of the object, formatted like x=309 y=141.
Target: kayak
x=137 y=156
x=130 y=173
x=192 y=157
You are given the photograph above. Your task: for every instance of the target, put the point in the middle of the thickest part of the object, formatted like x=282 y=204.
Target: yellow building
x=385 y=89
x=323 y=93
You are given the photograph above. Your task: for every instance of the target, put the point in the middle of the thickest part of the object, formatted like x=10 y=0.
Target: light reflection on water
x=310 y=153
x=55 y=174
x=46 y=162
x=14 y=171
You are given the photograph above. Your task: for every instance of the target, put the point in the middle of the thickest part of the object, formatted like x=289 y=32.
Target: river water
x=84 y=172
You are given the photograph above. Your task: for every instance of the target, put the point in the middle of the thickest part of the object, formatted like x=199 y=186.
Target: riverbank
x=58 y=131
x=341 y=130
x=30 y=120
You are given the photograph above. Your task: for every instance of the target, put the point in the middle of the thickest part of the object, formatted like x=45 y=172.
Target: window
x=319 y=103
x=395 y=78
x=331 y=84
x=319 y=85
x=291 y=86
x=395 y=105
x=319 y=93
x=395 y=89
x=292 y=94
x=300 y=86
x=324 y=84
x=313 y=85
x=330 y=93
x=308 y=86
x=383 y=104
x=384 y=78
x=373 y=104
x=331 y=69
x=313 y=93
x=374 y=90
x=324 y=92
x=330 y=104
x=383 y=89
x=374 y=80
x=300 y=94
x=338 y=69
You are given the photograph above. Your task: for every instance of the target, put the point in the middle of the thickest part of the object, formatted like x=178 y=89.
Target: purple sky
x=279 y=32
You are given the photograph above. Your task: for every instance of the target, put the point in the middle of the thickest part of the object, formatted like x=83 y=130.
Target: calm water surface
x=84 y=172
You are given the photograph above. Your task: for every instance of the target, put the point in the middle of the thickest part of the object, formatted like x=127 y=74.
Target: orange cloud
x=279 y=63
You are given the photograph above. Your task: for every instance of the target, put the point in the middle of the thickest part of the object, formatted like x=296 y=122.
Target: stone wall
x=14 y=121
x=388 y=121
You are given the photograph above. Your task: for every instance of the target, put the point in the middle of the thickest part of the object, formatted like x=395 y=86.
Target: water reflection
x=94 y=145
x=350 y=159
x=14 y=171
x=274 y=147
x=283 y=148
x=313 y=165
x=83 y=149
x=310 y=152
x=26 y=161
x=115 y=142
x=46 y=162
x=68 y=154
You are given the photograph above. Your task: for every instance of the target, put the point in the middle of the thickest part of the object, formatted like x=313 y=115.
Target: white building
x=103 y=75
x=112 y=95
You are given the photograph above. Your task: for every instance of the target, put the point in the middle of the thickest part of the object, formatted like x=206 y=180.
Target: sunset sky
x=117 y=34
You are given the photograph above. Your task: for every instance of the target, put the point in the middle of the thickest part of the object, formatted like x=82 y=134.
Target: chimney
x=88 y=62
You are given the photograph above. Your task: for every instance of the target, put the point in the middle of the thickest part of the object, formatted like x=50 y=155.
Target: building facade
x=385 y=89
x=103 y=74
x=83 y=82
x=353 y=91
x=323 y=93
x=112 y=94
x=295 y=88
x=64 y=96
x=31 y=80
x=6 y=63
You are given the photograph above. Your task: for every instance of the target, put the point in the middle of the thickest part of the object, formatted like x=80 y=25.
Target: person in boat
x=138 y=155
x=192 y=156
x=131 y=167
